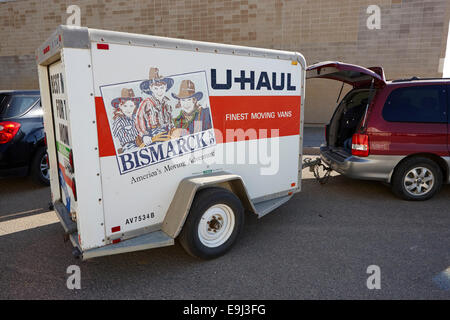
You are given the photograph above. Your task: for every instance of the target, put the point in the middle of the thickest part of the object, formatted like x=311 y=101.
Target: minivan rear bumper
x=374 y=167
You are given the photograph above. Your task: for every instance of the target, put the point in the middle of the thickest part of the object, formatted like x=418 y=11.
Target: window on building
x=416 y=104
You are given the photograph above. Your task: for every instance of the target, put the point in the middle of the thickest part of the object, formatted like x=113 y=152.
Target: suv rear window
x=416 y=104
x=12 y=106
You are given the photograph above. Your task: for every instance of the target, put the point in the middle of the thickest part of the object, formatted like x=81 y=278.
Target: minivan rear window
x=416 y=104
x=12 y=106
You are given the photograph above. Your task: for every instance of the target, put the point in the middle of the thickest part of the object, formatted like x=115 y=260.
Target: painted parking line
x=29 y=222
x=18 y=214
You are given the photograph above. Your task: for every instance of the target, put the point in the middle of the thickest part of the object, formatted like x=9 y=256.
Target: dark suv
x=22 y=139
x=392 y=131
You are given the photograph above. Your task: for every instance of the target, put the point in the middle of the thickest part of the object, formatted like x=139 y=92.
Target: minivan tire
x=414 y=174
x=36 y=171
x=219 y=209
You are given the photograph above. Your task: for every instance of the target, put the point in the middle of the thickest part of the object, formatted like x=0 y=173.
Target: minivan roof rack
x=418 y=79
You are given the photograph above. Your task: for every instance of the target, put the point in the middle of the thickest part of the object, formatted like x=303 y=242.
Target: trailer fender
x=188 y=187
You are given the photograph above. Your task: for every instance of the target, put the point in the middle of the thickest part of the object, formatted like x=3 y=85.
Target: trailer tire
x=214 y=223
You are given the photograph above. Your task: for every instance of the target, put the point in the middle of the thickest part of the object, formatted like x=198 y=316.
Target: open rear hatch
x=351 y=74
x=351 y=112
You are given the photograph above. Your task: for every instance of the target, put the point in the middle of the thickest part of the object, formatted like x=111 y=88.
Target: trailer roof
x=81 y=37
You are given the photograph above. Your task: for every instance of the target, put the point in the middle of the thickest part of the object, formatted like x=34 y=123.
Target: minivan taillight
x=8 y=130
x=360 y=145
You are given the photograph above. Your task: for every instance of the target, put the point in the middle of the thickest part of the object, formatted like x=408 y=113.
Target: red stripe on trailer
x=115 y=229
x=264 y=113
x=105 y=140
x=259 y=112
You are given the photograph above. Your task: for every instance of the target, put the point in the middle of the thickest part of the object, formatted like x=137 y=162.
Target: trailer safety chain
x=314 y=166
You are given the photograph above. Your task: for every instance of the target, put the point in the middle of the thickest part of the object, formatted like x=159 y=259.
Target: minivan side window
x=426 y=104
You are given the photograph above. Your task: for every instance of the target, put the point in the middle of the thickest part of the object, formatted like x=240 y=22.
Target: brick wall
x=411 y=40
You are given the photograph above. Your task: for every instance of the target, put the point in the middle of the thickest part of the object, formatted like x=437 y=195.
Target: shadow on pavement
x=21 y=197
x=317 y=245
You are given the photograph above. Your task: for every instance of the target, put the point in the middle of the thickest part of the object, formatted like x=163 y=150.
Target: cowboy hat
x=187 y=90
x=154 y=77
x=125 y=95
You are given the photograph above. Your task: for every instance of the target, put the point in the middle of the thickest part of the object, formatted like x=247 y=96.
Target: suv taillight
x=360 y=145
x=8 y=129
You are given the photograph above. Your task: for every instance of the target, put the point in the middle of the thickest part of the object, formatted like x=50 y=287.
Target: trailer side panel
x=252 y=103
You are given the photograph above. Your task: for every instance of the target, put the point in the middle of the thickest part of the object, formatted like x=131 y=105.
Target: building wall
x=411 y=41
x=446 y=62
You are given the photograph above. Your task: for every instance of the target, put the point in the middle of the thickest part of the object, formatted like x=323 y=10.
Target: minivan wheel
x=417 y=178
x=40 y=171
x=214 y=223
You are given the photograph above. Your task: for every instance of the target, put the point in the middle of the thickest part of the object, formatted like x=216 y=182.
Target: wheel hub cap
x=216 y=225
x=419 y=181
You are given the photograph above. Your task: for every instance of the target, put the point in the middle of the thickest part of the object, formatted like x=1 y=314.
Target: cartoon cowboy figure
x=154 y=116
x=123 y=127
x=193 y=117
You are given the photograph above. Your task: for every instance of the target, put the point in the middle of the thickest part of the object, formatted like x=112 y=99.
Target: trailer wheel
x=214 y=223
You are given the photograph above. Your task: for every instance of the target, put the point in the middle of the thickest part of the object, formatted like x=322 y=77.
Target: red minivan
x=392 y=131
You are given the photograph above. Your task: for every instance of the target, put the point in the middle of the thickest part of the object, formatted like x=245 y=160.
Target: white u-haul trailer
x=152 y=138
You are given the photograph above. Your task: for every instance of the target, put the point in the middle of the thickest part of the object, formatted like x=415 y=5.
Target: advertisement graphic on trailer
x=159 y=118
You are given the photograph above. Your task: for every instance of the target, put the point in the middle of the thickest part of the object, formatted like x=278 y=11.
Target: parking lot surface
x=317 y=246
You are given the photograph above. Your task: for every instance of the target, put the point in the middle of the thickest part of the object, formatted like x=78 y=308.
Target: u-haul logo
x=159 y=118
x=250 y=80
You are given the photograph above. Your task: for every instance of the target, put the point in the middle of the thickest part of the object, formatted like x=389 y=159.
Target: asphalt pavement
x=317 y=246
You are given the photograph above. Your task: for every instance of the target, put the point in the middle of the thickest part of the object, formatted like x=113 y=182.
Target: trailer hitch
x=314 y=167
